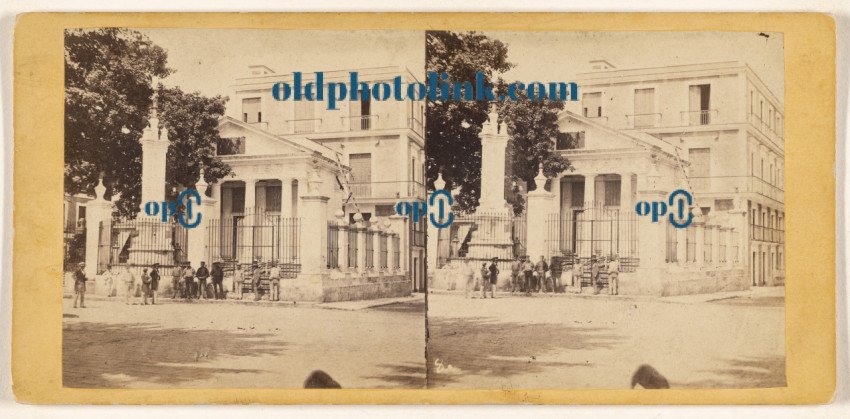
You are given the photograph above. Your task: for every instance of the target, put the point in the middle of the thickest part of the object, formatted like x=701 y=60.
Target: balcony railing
x=767 y=234
x=763 y=127
x=388 y=190
x=304 y=126
x=416 y=126
x=733 y=184
x=644 y=120
x=360 y=123
x=705 y=117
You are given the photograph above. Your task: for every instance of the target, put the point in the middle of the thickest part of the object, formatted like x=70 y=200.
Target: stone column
x=97 y=210
x=197 y=235
x=315 y=225
x=399 y=224
x=342 y=240
x=250 y=220
x=154 y=150
x=286 y=198
x=360 y=226
x=538 y=207
x=699 y=228
x=682 y=246
x=494 y=141
x=250 y=196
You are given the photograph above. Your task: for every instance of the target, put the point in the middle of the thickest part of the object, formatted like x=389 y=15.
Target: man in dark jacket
x=594 y=275
x=202 y=273
x=80 y=285
x=154 y=282
x=256 y=274
x=217 y=280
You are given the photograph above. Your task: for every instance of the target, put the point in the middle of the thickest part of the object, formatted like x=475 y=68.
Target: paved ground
x=229 y=344
x=732 y=340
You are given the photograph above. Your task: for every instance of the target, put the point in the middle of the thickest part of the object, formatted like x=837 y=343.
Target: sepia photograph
x=629 y=234
x=219 y=235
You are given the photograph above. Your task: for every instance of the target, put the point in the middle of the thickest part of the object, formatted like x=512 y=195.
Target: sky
x=209 y=60
x=559 y=56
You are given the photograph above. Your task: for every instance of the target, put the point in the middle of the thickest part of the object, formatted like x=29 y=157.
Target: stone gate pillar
x=314 y=243
x=97 y=210
x=197 y=236
x=538 y=208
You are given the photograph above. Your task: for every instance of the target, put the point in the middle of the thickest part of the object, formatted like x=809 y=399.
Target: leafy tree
x=109 y=76
x=533 y=129
x=108 y=90
x=452 y=127
x=192 y=123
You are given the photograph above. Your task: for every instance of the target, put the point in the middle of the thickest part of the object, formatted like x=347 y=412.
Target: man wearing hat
x=154 y=285
x=255 y=280
x=491 y=279
x=80 y=285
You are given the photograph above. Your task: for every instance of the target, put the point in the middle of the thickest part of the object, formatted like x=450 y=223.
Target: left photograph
x=229 y=209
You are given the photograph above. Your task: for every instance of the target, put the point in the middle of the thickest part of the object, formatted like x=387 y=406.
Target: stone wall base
x=661 y=282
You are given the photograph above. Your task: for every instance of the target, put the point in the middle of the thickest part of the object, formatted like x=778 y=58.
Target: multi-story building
x=375 y=149
x=717 y=122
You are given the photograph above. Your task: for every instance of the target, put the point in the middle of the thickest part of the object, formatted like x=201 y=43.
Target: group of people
x=253 y=274
x=541 y=277
x=188 y=283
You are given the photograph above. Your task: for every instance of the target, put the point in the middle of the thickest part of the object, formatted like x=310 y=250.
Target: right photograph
x=617 y=210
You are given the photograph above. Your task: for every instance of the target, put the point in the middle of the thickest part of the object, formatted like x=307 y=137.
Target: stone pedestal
x=98 y=211
x=196 y=251
x=538 y=207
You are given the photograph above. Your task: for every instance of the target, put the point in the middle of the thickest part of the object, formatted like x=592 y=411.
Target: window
x=273 y=195
x=644 y=115
x=592 y=104
x=304 y=120
x=384 y=210
x=230 y=146
x=361 y=112
x=361 y=174
x=570 y=140
x=612 y=192
x=251 y=110
x=700 y=104
x=700 y=172
x=723 y=204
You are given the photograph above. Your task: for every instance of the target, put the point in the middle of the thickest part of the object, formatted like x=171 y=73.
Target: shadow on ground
x=408 y=307
x=754 y=372
x=481 y=346
x=96 y=355
x=407 y=375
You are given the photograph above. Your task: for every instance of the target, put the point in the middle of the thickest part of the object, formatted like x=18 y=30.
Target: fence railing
x=593 y=231
x=767 y=234
x=74 y=240
x=396 y=251
x=494 y=235
x=388 y=189
x=703 y=117
x=370 y=249
x=382 y=260
x=736 y=184
x=333 y=245
x=255 y=236
x=141 y=243
x=360 y=123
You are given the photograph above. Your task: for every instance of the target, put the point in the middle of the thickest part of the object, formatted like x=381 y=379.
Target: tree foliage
x=452 y=127
x=109 y=75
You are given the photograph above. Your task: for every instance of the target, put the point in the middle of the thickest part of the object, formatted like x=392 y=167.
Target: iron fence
x=333 y=245
x=370 y=251
x=588 y=231
x=352 y=246
x=74 y=240
x=383 y=255
x=483 y=235
x=141 y=243
x=396 y=251
x=262 y=236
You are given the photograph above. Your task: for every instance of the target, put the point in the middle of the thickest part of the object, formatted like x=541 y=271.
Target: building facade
x=717 y=121
x=373 y=151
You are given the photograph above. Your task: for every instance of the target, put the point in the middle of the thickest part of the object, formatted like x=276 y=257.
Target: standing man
x=129 y=281
x=255 y=280
x=188 y=281
x=217 y=280
x=614 y=276
x=541 y=268
x=110 y=277
x=203 y=273
x=594 y=274
x=516 y=268
x=80 y=285
x=528 y=273
x=274 y=280
x=146 y=285
x=176 y=274
x=493 y=277
x=239 y=277
x=154 y=282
